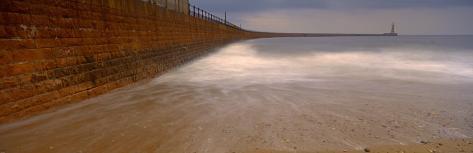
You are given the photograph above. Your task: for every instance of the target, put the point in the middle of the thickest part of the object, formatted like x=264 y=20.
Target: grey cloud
x=362 y=16
x=409 y=21
x=260 y=5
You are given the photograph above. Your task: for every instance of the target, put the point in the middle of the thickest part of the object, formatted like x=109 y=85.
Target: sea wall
x=54 y=52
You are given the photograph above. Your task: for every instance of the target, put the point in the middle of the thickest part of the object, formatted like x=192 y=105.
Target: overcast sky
x=348 y=16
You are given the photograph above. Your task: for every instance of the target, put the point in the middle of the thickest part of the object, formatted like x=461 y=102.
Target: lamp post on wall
x=188 y=7
x=166 y=4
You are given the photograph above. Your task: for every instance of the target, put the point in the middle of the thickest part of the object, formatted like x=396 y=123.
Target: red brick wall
x=54 y=52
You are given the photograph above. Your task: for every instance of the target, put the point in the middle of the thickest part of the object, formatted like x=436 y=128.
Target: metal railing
x=205 y=15
x=191 y=10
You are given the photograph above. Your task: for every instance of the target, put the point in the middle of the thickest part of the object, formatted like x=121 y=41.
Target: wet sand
x=243 y=101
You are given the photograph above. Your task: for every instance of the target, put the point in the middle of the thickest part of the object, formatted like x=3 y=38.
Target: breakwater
x=54 y=52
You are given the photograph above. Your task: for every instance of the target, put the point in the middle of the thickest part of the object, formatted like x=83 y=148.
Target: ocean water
x=279 y=94
x=446 y=59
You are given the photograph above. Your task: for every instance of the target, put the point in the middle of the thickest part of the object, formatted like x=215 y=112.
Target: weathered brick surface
x=54 y=52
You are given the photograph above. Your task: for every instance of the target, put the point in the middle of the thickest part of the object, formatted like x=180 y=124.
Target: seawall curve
x=55 y=52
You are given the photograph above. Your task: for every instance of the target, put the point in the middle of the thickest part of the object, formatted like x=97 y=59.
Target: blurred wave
x=430 y=59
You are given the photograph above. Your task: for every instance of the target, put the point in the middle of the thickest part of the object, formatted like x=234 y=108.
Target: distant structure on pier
x=393 y=31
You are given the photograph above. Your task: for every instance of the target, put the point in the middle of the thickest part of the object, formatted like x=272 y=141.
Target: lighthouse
x=393 y=31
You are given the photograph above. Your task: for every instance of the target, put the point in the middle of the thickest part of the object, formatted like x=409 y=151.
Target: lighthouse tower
x=393 y=30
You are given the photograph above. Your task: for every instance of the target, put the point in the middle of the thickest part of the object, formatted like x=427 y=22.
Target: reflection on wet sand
x=250 y=96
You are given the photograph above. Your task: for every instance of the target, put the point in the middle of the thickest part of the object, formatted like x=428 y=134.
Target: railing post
x=198 y=12
x=166 y=4
x=178 y=5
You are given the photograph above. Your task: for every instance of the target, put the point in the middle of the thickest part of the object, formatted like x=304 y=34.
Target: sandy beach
x=248 y=99
x=438 y=146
